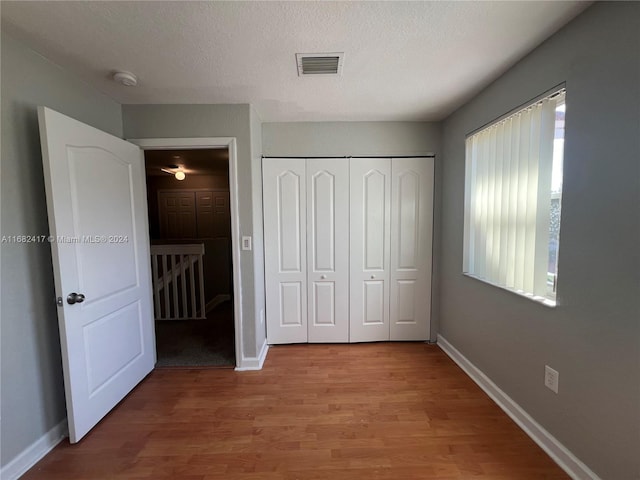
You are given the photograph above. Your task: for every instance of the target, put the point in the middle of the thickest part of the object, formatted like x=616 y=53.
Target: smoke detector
x=127 y=79
x=320 y=63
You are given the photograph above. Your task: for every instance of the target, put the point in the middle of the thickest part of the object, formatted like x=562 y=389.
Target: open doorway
x=191 y=258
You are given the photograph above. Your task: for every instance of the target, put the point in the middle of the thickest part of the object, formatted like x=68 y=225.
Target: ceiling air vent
x=320 y=63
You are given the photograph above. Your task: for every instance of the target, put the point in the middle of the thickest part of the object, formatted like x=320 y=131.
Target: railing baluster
x=183 y=281
x=156 y=285
x=174 y=276
x=165 y=276
x=172 y=267
x=203 y=314
x=193 y=286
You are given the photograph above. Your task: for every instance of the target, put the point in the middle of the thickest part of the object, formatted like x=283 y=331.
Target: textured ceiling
x=403 y=60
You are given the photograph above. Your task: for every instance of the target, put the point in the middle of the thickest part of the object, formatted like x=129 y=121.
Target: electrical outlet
x=551 y=378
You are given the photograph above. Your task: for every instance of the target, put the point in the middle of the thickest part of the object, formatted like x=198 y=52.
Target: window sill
x=547 y=302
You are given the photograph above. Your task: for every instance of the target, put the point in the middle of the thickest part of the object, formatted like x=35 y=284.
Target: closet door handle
x=372 y=277
x=322 y=277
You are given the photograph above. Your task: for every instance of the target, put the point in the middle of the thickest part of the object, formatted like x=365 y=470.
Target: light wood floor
x=398 y=411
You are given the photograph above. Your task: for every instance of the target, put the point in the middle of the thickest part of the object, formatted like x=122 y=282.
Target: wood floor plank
x=361 y=411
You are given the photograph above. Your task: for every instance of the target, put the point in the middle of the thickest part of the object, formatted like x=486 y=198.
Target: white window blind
x=508 y=197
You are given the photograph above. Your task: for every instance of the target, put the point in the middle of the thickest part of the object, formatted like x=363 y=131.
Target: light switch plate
x=551 y=378
x=246 y=243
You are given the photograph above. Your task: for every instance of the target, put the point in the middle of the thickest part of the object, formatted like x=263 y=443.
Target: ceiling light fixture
x=179 y=174
x=127 y=79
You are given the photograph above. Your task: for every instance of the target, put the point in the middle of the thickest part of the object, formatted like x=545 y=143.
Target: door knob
x=75 y=298
x=372 y=277
x=323 y=277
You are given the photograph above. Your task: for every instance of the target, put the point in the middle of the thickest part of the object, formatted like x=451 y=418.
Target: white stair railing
x=178 y=281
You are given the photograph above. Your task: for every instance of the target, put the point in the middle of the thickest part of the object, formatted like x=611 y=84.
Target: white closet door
x=284 y=190
x=370 y=181
x=411 y=250
x=328 y=250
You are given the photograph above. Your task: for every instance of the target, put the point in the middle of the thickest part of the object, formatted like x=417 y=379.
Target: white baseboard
x=254 y=363
x=34 y=453
x=558 y=452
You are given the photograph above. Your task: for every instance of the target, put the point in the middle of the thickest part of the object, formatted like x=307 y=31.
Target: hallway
x=205 y=343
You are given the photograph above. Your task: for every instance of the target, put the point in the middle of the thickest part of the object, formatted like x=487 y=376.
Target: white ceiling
x=403 y=60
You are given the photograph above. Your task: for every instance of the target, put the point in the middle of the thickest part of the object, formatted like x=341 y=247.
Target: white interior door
x=370 y=180
x=97 y=210
x=411 y=251
x=284 y=195
x=328 y=249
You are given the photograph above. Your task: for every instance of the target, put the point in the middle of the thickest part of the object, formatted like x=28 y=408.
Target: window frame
x=549 y=298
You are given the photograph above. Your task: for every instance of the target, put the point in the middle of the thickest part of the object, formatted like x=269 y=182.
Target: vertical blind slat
x=504 y=201
x=545 y=167
x=514 y=168
x=521 y=212
x=477 y=204
x=532 y=198
x=491 y=185
x=482 y=192
x=467 y=254
x=497 y=206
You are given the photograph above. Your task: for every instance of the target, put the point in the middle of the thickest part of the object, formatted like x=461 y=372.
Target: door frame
x=199 y=143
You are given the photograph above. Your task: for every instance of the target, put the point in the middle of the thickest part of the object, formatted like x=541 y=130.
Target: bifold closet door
x=284 y=194
x=370 y=182
x=411 y=247
x=348 y=249
x=328 y=250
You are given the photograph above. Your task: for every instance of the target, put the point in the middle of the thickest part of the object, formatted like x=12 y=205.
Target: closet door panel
x=374 y=303
x=411 y=248
x=370 y=181
x=284 y=191
x=213 y=214
x=177 y=214
x=328 y=249
x=291 y=314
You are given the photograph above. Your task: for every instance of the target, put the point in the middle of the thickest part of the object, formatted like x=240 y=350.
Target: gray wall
x=258 y=241
x=315 y=139
x=593 y=337
x=166 y=121
x=349 y=138
x=32 y=386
